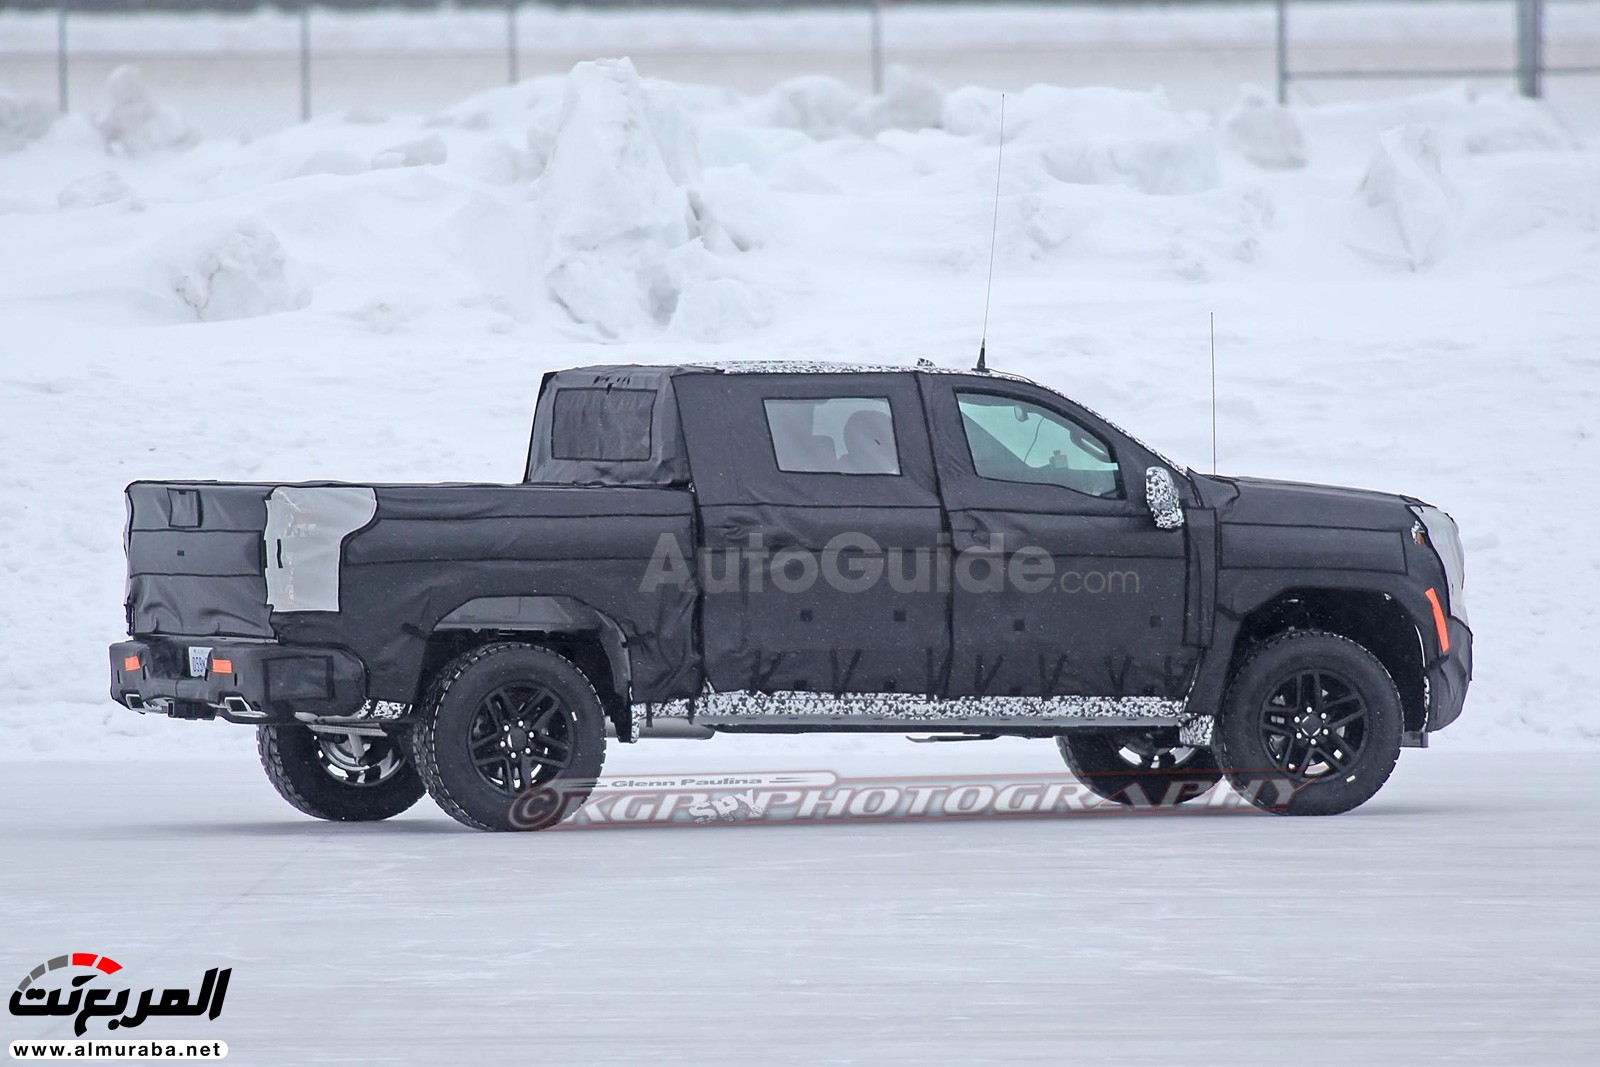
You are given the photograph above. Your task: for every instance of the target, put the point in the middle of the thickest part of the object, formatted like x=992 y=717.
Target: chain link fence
x=237 y=68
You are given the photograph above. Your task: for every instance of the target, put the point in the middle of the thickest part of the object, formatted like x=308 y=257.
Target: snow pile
x=237 y=274
x=1464 y=121
x=1098 y=136
x=423 y=152
x=107 y=187
x=1264 y=131
x=1405 y=187
x=133 y=123
x=632 y=243
x=23 y=119
x=824 y=108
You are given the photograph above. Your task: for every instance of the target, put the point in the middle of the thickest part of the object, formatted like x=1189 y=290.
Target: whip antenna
x=1213 y=392
x=994 y=230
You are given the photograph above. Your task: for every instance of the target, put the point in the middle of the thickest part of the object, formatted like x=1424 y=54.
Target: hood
x=1269 y=502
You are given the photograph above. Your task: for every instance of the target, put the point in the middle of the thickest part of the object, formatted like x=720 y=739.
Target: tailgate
x=196 y=562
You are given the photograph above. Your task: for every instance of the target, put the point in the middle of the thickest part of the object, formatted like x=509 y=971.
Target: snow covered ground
x=1449 y=920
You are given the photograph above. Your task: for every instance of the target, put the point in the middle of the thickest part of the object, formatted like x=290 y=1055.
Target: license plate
x=199 y=661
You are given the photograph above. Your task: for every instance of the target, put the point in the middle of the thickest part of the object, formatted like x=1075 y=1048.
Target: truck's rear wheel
x=510 y=737
x=337 y=776
x=1311 y=725
x=1138 y=766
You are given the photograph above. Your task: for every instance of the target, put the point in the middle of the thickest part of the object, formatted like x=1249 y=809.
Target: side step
x=931 y=739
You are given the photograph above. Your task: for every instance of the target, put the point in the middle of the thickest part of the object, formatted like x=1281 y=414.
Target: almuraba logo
x=44 y=992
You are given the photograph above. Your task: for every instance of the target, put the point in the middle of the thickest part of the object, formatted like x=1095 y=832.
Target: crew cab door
x=820 y=522
x=1062 y=584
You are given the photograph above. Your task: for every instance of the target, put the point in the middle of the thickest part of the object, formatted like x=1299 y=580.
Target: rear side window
x=602 y=424
x=833 y=435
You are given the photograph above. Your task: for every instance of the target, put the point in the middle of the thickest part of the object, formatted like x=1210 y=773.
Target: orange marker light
x=222 y=666
x=131 y=663
x=1438 y=620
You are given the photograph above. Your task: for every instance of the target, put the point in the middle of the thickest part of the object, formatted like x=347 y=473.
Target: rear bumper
x=1448 y=677
x=265 y=682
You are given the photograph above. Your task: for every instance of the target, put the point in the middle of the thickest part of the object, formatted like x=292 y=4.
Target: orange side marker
x=1438 y=620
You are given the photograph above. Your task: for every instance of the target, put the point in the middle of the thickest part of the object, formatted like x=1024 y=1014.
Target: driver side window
x=1016 y=441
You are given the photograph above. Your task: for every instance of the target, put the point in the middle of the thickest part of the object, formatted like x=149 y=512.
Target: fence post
x=1283 y=51
x=305 y=60
x=61 y=55
x=511 y=41
x=877 y=46
x=1530 y=47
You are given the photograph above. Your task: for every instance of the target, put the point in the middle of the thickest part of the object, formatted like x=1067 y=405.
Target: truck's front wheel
x=1311 y=725
x=337 y=776
x=510 y=737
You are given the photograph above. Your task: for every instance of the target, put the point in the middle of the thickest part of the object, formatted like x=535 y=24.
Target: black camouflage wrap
x=584 y=529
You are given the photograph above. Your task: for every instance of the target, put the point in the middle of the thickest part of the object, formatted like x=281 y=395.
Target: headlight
x=1444 y=538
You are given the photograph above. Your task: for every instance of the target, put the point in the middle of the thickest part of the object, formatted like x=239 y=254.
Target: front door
x=1062 y=584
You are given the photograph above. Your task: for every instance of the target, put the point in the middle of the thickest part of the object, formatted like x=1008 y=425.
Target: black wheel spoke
x=521 y=731
x=1303 y=738
x=544 y=713
x=1330 y=756
x=1348 y=720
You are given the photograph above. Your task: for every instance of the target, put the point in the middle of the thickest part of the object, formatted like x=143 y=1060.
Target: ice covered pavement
x=1451 y=918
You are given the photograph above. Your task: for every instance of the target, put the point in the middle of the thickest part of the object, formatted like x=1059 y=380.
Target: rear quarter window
x=602 y=424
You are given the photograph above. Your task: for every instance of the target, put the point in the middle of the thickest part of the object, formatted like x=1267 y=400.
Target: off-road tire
x=1171 y=774
x=441 y=737
x=290 y=754
x=1241 y=740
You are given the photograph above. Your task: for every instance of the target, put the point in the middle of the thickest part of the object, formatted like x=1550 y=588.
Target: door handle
x=963 y=534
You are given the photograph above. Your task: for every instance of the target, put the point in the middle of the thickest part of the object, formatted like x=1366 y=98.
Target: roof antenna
x=994 y=230
x=1213 y=392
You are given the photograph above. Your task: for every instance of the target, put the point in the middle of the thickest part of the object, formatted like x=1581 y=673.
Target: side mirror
x=1161 y=493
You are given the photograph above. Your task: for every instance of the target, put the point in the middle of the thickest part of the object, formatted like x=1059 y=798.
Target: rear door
x=821 y=526
x=1062 y=584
